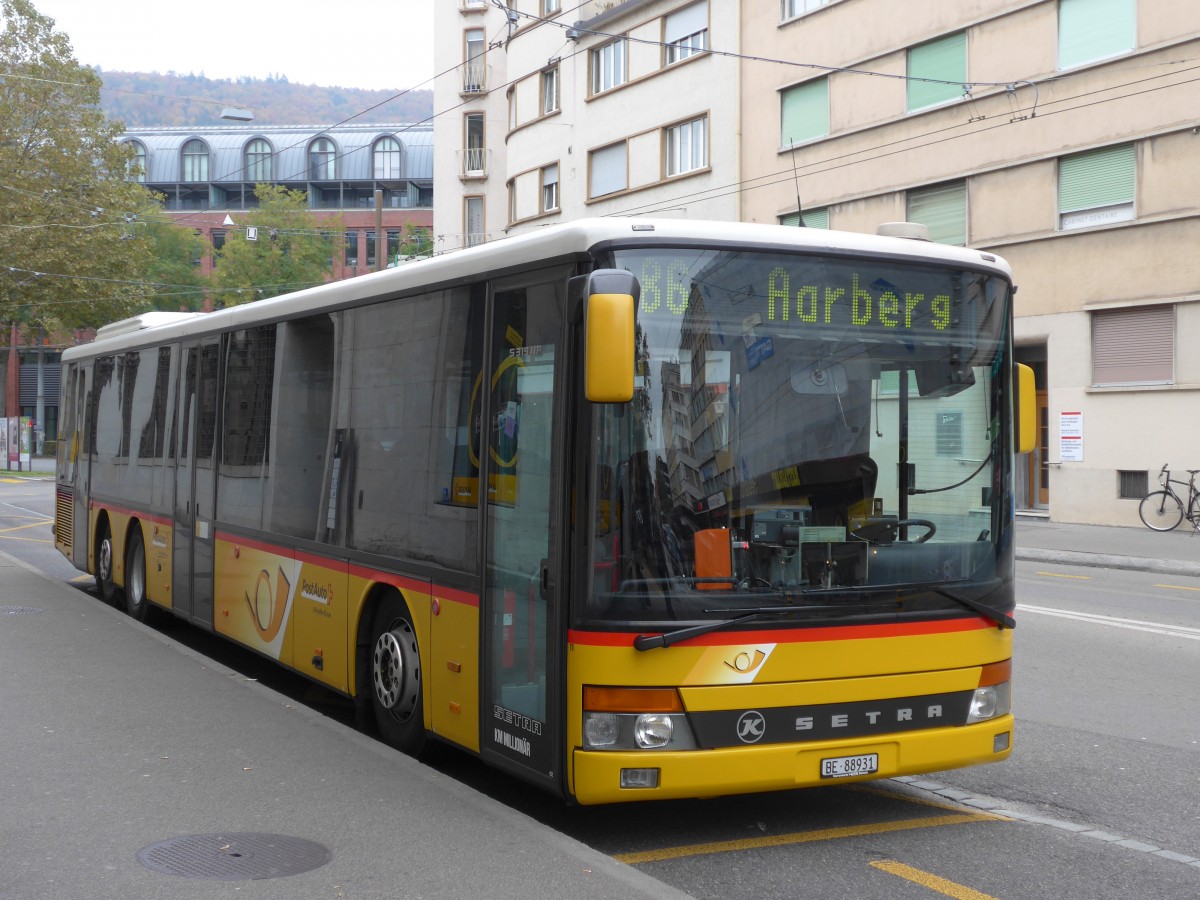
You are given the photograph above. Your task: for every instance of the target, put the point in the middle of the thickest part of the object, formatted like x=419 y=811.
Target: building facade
x=208 y=175
x=557 y=112
x=1060 y=134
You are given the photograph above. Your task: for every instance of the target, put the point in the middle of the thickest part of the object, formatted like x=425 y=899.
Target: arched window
x=136 y=171
x=258 y=161
x=387 y=158
x=322 y=160
x=195 y=161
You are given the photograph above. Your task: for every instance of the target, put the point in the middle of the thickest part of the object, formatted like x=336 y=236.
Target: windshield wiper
x=651 y=641
x=1002 y=619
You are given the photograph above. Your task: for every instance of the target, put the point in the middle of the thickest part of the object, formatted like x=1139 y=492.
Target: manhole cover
x=233 y=857
x=19 y=610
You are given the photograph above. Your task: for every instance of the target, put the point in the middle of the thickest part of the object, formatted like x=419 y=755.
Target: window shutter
x=945 y=60
x=1133 y=346
x=943 y=210
x=608 y=170
x=1094 y=29
x=813 y=218
x=686 y=22
x=1099 y=178
x=804 y=112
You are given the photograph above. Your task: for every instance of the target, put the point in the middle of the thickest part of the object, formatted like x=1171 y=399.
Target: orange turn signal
x=996 y=673
x=631 y=700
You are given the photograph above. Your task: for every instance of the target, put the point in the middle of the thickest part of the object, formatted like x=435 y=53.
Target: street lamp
x=237 y=114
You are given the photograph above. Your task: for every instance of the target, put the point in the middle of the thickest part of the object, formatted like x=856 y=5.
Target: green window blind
x=813 y=218
x=804 y=112
x=1094 y=29
x=945 y=60
x=1097 y=178
x=943 y=210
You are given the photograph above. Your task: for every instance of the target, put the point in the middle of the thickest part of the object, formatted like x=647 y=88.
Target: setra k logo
x=751 y=726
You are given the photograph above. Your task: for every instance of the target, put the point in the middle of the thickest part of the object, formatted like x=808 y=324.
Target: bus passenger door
x=521 y=723
x=195 y=483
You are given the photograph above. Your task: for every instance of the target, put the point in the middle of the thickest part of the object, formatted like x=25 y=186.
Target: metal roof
x=290 y=144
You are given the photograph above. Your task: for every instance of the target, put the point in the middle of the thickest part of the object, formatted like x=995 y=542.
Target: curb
x=1109 y=561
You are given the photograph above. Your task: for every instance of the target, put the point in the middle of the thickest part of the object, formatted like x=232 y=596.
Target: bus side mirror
x=1025 y=412
x=610 y=298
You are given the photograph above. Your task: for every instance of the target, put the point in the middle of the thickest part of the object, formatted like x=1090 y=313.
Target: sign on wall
x=1070 y=437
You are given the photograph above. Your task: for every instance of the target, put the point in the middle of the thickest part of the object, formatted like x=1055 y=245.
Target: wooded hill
x=147 y=99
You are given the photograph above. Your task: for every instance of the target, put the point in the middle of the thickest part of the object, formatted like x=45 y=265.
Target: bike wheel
x=1161 y=511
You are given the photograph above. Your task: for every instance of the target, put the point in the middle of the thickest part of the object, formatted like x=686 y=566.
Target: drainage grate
x=233 y=857
x=19 y=610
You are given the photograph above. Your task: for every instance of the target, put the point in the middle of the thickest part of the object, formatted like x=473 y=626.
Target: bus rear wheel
x=396 y=677
x=109 y=592
x=136 y=603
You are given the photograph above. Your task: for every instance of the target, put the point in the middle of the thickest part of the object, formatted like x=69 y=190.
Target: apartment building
x=556 y=112
x=208 y=175
x=1060 y=134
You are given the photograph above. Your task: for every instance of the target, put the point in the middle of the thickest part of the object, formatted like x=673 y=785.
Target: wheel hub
x=396 y=670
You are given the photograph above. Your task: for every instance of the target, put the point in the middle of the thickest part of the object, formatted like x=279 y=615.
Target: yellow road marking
x=1177 y=587
x=27 y=525
x=12 y=480
x=1061 y=575
x=933 y=882
x=798 y=837
x=79 y=579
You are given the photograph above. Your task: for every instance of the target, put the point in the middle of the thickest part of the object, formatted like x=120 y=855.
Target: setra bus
x=630 y=509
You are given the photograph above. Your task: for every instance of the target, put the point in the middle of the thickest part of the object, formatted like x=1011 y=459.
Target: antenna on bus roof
x=796 y=180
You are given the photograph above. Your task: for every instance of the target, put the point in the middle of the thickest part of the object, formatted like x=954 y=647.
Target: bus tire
x=136 y=603
x=105 y=561
x=395 y=685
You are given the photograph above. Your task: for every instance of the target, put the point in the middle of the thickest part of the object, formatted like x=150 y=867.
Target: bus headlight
x=653 y=730
x=990 y=702
x=600 y=730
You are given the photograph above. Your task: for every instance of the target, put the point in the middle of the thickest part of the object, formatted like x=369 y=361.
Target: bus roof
x=553 y=242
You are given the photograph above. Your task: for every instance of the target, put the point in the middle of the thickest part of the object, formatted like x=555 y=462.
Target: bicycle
x=1163 y=510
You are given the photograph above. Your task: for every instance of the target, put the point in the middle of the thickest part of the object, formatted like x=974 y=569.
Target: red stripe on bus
x=399 y=581
x=132 y=513
x=791 y=635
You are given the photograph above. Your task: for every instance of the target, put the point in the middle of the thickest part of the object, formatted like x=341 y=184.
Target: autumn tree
x=71 y=253
x=277 y=247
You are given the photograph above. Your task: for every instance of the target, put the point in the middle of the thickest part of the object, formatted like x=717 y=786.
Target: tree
x=291 y=249
x=176 y=284
x=68 y=252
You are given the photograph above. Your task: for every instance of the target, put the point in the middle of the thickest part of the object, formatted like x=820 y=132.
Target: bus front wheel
x=396 y=677
x=109 y=592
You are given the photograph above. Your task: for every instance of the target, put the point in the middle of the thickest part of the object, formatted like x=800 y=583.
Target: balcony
x=473 y=163
x=475 y=77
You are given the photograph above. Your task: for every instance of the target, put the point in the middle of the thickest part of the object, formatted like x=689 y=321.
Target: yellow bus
x=630 y=509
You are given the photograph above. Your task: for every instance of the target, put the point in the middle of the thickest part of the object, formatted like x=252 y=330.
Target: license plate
x=845 y=766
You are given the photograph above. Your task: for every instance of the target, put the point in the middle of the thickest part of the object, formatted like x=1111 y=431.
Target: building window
x=607 y=170
x=687 y=146
x=944 y=63
x=943 y=210
x=1097 y=187
x=473 y=221
x=949 y=433
x=258 y=161
x=511 y=187
x=136 y=171
x=1134 y=345
x=473 y=61
x=813 y=218
x=386 y=154
x=218 y=242
x=195 y=161
x=473 y=150
x=1132 y=485
x=550 y=91
x=550 y=7
x=804 y=112
x=685 y=32
x=789 y=9
x=608 y=66
x=550 y=188
x=350 y=257
x=322 y=160
x=1089 y=30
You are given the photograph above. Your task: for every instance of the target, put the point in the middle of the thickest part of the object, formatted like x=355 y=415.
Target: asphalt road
x=1099 y=800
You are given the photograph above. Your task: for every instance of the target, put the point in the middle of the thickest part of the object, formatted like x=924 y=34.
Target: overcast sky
x=376 y=45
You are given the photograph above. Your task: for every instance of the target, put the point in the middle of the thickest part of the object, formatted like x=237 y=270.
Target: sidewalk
x=217 y=777
x=1115 y=547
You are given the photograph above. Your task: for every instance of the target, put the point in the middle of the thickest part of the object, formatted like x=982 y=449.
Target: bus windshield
x=811 y=437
